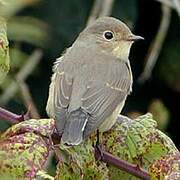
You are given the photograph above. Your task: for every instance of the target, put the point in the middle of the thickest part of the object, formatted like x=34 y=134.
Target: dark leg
x=98 y=139
x=98 y=148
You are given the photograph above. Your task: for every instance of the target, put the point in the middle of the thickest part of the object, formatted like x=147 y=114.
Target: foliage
x=24 y=148
x=160 y=113
x=139 y=142
x=9 y=7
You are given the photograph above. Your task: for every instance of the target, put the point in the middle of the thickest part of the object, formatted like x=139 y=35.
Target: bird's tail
x=74 y=127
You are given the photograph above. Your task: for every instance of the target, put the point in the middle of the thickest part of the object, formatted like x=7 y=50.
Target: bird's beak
x=134 y=38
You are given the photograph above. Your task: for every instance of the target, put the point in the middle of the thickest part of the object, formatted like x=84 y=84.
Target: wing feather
x=102 y=98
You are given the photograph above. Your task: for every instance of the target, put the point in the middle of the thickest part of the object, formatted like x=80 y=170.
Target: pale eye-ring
x=108 y=35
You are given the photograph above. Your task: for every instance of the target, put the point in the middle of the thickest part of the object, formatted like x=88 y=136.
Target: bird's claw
x=99 y=155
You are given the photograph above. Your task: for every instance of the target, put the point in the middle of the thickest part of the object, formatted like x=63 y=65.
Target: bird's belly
x=111 y=120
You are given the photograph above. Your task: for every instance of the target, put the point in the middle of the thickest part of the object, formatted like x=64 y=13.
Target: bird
x=91 y=80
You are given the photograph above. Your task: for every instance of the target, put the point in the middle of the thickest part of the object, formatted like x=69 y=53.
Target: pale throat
x=121 y=50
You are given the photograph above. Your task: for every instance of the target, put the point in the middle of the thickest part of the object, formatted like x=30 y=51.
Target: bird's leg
x=98 y=148
x=98 y=139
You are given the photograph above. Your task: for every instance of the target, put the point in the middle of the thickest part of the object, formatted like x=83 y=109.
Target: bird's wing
x=59 y=94
x=102 y=97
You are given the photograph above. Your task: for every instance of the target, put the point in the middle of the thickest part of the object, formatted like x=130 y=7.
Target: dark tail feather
x=74 y=127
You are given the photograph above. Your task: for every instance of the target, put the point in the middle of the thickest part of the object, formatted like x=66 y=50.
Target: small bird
x=91 y=80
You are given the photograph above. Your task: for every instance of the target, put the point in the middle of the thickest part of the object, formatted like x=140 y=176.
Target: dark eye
x=108 y=35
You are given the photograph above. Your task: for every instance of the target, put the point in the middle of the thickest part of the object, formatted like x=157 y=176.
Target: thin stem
x=11 y=117
x=95 y=11
x=99 y=9
x=28 y=100
x=167 y=3
x=156 y=45
x=121 y=164
x=24 y=72
x=177 y=6
x=107 y=6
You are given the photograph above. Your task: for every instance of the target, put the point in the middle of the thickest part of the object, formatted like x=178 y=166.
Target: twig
x=167 y=2
x=26 y=95
x=24 y=72
x=11 y=117
x=156 y=46
x=107 y=6
x=121 y=164
x=177 y=6
x=95 y=11
x=100 y=8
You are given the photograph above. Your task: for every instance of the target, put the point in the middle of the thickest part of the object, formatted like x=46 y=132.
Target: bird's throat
x=122 y=50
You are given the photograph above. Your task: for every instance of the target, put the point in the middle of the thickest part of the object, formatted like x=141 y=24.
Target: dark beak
x=134 y=38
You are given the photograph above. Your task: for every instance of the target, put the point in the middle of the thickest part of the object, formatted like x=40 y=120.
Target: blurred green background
x=52 y=25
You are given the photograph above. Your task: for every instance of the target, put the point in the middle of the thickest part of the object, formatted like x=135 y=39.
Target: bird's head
x=112 y=35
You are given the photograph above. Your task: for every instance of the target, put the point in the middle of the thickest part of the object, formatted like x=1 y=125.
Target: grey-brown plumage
x=91 y=80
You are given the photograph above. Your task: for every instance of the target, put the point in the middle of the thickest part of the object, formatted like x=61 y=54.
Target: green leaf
x=139 y=142
x=4 y=50
x=24 y=148
x=136 y=141
x=28 y=29
x=78 y=162
x=167 y=167
x=160 y=113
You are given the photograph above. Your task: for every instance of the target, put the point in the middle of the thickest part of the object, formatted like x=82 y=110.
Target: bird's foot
x=99 y=154
x=98 y=148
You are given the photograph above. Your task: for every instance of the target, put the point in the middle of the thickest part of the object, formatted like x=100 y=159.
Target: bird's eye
x=108 y=35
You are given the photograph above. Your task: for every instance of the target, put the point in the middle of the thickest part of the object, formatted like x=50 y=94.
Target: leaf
x=78 y=162
x=160 y=113
x=137 y=141
x=24 y=148
x=167 y=167
x=44 y=175
x=28 y=29
x=9 y=7
x=4 y=50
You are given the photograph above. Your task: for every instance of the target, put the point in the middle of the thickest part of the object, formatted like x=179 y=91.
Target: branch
x=24 y=72
x=11 y=117
x=121 y=164
x=26 y=95
x=156 y=45
x=95 y=11
x=107 y=6
x=167 y=3
x=175 y=4
x=100 y=8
